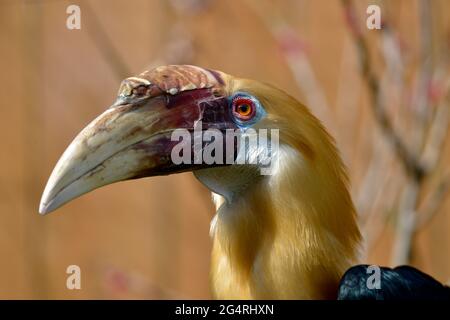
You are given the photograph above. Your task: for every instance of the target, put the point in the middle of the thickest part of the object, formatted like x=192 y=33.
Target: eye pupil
x=244 y=108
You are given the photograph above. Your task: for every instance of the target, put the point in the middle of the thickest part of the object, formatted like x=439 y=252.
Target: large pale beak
x=130 y=140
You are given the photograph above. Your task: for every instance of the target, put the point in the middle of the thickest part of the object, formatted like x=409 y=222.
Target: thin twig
x=437 y=132
x=434 y=204
x=409 y=161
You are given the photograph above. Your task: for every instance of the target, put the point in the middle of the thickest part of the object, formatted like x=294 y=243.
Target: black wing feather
x=400 y=283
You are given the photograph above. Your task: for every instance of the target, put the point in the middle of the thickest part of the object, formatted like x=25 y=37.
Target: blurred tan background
x=149 y=238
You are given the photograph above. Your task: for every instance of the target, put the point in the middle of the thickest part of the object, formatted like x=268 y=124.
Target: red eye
x=243 y=108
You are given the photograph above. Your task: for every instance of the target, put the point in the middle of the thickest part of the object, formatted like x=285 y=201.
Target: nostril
x=140 y=91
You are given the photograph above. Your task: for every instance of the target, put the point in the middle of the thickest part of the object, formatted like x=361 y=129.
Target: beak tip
x=43 y=209
x=46 y=207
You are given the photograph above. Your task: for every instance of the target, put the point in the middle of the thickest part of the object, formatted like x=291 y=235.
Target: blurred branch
x=104 y=44
x=427 y=136
x=434 y=204
x=420 y=102
x=190 y=6
x=379 y=170
x=409 y=161
x=438 y=131
x=405 y=224
x=373 y=178
x=293 y=51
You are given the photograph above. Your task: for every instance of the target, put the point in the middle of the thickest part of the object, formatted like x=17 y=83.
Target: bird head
x=137 y=136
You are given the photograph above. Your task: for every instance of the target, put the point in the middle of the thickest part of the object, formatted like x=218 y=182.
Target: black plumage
x=400 y=283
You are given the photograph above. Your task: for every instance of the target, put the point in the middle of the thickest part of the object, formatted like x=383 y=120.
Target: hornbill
x=291 y=234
